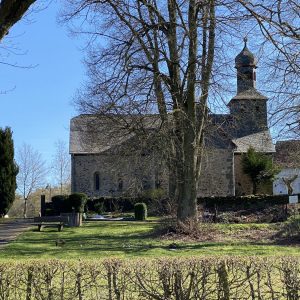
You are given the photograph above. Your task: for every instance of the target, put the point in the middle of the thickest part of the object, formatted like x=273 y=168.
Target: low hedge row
x=105 y=204
x=243 y=202
x=180 y=279
x=66 y=204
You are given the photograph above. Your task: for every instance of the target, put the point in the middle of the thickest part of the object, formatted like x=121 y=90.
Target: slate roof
x=93 y=134
x=288 y=154
x=260 y=141
x=252 y=94
x=218 y=133
x=245 y=58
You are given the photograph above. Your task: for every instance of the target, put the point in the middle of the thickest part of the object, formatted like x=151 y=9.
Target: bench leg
x=40 y=227
x=60 y=227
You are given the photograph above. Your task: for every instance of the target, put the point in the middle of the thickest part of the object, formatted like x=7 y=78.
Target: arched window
x=96 y=181
x=120 y=184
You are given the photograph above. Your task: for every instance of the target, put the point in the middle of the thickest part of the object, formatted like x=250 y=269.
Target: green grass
x=132 y=239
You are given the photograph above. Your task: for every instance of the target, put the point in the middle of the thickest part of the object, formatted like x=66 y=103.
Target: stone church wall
x=217 y=173
x=118 y=175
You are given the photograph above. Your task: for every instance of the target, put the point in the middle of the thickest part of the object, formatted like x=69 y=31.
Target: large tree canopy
x=173 y=58
x=11 y=11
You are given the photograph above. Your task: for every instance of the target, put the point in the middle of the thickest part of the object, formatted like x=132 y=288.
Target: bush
x=77 y=202
x=140 y=211
x=292 y=227
x=60 y=204
x=245 y=202
x=105 y=204
x=180 y=278
x=245 y=209
x=99 y=207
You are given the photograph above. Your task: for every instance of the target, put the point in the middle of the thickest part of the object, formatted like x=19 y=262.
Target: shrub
x=180 y=278
x=292 y=227
x=244 y=209
x=99 y=207
x=243 y=202
x=258 y=166
x=140 y=211
x=108 y=204
x=77 y=202
x=60 y=204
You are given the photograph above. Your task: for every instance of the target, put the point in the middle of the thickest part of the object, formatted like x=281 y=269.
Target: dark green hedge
x=243 y=202
x=103 y=204
x=59 y=204
x=140 y=211
x=77 y=202
x=66 y=204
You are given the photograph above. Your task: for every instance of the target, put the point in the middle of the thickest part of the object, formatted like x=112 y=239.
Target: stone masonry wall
x=217 y=173
x=136 y=174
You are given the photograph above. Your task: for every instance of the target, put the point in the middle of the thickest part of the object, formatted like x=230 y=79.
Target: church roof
x=94 y=134
x=260 y=141
x=245 y=58
x=252 y=94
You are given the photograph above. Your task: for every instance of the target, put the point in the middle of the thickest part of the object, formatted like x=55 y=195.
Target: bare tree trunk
x=25 y=208
x=193 y=128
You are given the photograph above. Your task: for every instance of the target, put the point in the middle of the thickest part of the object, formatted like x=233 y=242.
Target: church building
x=101 y=166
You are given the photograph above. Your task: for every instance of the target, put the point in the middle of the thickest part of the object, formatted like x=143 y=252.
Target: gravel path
x=10 y=229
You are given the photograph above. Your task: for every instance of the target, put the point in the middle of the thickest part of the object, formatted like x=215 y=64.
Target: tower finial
x=245 y=41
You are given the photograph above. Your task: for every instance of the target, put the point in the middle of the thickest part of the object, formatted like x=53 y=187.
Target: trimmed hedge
x=126 y=204
x=103 y=204
x=186 y=278
x=59 y=203
x=66 y=204
x=77 y=202
x=233 y=202
x=140 y=211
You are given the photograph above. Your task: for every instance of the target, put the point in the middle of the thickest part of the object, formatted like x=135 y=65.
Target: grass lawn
x=138 y=239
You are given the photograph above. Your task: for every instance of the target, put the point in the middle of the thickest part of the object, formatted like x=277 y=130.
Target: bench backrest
x=51 y=219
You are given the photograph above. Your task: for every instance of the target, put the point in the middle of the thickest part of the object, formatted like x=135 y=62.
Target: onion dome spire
x=245 y=58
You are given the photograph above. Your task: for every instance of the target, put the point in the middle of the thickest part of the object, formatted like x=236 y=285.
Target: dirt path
x=10 y=229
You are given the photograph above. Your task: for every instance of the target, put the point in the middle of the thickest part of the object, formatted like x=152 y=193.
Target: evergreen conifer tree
x=8 y=171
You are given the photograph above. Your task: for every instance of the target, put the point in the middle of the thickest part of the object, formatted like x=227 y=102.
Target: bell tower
x=248 y=107
x=245 y=64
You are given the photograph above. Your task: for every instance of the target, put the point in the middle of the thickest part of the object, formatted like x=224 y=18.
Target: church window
x=96 y=181
x=249 y=75
x=242 y=107
x=120 y=184
x=146 y=184
x=157 y=180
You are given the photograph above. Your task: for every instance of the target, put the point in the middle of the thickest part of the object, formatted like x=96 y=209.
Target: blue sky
x=36 y=102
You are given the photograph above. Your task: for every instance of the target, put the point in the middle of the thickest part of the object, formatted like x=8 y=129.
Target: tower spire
x=245 y=42
x=245 y=63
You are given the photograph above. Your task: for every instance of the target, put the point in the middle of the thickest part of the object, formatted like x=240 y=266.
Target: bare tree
x=32 y=172
x=61 y=165
x=166 y=57
x=279 y=23
x=11 y=11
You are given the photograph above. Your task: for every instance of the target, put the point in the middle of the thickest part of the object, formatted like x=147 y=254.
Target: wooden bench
x=56 y=221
